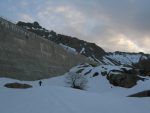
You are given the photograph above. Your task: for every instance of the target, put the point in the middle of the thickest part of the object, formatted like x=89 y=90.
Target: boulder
x=141 y=94
x=123 y=79
x=17 y=85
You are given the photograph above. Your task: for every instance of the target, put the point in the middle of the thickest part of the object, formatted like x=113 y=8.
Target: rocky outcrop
x=123 y=79
x=144 y=67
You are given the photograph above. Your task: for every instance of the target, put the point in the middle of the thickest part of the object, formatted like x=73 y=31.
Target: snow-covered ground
x=126 y=59
x=55 y=97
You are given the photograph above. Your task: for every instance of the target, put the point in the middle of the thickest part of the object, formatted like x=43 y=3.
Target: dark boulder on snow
x=17 y=85
x=123 y=79
x=141 y=94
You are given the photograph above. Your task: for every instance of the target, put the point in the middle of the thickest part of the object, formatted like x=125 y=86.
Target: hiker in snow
x=40 y=82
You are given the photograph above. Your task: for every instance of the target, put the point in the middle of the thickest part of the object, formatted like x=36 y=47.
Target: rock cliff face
x=85 y=48
x=27 y=56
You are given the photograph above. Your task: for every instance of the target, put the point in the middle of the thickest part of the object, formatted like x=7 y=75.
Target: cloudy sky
x=115 y=25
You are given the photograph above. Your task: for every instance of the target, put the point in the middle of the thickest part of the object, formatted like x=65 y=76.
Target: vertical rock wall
x=26 y=56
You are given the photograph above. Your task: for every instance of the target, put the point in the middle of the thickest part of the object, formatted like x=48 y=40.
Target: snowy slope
x=100 y=84
x=58 y=99
x=119 y=58
x=54 y=96
x=127 y=59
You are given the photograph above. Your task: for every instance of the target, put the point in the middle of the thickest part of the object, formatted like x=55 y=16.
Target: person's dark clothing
x=40 y=83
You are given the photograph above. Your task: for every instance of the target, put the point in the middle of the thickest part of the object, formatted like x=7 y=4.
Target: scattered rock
x=80 y=70
x=104 y=73
x=88 y=72
x=95 y=74
x=93 y=65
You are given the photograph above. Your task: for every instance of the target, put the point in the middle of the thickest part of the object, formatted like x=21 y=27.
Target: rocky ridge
x=90 y=50
x=87 y=49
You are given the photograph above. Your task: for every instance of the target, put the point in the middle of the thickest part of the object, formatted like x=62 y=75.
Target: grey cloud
x=99 y=21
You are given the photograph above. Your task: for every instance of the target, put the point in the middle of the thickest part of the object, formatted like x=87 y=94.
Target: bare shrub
x=76 y=80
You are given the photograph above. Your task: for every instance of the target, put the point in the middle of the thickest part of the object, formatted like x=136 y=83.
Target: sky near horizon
x=114 y=25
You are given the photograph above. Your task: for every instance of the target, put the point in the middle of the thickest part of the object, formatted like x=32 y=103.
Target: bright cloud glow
x=127 y=44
